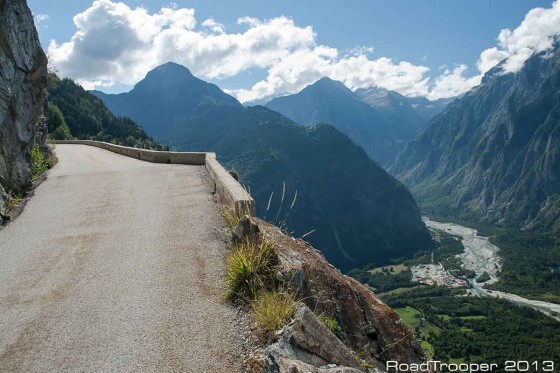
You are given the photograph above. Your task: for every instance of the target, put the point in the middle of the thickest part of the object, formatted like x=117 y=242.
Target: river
x=482 y=256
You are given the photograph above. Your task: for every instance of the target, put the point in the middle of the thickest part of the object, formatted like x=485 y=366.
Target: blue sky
x=439 y=39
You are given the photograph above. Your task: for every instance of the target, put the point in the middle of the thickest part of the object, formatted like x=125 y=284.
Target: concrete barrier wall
x=228 y=190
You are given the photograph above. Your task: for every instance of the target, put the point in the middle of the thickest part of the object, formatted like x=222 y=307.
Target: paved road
x=116 y=265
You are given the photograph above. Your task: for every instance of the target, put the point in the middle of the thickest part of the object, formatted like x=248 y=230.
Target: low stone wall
x=227 y=189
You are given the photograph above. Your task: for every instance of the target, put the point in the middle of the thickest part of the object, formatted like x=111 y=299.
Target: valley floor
x=482 y=256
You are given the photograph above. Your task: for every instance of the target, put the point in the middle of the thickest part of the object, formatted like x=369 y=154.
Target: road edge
x=229 y=191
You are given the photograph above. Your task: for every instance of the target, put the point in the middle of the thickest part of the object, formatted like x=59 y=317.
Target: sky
x=257 y=50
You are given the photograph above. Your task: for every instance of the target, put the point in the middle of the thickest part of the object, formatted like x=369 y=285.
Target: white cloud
x=359 y=51
x=490 y=58
x=41 y=20
x=116 y=44
x=453 y=83
x=536 y=33
x=216 y=27
x=41 y=17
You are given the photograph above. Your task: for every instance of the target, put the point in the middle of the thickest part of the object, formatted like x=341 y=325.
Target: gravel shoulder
x=117 y=265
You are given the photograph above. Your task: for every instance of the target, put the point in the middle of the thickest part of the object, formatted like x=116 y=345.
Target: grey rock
x=309 y=333
x=244 y=230
x=367 y=324
x=295 y=366
x=23 y=79
x=306 y=345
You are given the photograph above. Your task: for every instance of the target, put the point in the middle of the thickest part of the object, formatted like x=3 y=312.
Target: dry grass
x=249 y=269
x=271 y=310
x=230 y=216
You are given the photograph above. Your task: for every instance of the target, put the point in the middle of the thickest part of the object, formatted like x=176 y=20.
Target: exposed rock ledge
x=23 y=79
x=372 y=332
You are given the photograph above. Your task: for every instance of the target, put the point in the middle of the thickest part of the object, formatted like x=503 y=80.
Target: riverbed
x=482 y=256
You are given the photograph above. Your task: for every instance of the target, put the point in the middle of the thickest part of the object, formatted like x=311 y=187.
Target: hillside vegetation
x=457 y=328
x=73 y=112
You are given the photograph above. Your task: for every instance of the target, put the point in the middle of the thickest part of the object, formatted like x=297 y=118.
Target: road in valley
x=116 y=265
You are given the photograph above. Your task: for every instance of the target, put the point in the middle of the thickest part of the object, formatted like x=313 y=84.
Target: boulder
x=308 y=341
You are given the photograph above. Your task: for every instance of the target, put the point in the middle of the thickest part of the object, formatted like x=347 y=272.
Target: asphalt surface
x=116 y=265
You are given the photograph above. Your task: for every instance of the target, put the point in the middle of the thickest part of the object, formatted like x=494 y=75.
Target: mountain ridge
x=357 y=211
x=379 y=120
x=492 y=155
x=330 y=101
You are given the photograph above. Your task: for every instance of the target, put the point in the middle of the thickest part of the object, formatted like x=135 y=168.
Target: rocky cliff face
x=23 y=79
x=493 y=154
x=372 y=332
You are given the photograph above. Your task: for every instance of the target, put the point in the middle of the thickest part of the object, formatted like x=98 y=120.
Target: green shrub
x=271 y=310
x=249 y=269
x=332 y=324
x=11 y=203
x=483 y=277
x=39 y=164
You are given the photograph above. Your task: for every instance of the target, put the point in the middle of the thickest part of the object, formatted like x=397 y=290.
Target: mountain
x=428 y=109
x=358 y=213
x=329 y=101
x=494 y=154
x=414 y=112
x=396 y=108
x=74 y=112
x=172 y=89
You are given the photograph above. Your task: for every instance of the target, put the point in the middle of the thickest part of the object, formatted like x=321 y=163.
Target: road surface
x=115 y=265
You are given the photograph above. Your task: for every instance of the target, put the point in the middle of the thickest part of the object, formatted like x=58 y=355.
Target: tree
x=58 y=129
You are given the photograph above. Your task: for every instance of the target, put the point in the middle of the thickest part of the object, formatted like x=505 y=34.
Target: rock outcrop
x=23 y=79
x=372 y=332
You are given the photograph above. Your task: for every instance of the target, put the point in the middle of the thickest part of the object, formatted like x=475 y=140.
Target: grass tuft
x=272 y=309
x=231 y=216
x=249 y=269
x=332 y=324
x=39 y=165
